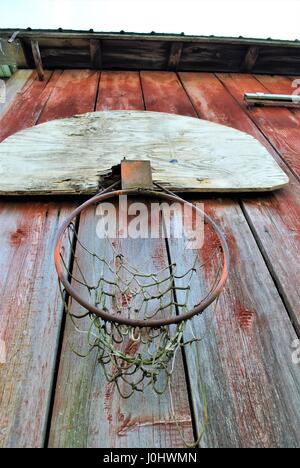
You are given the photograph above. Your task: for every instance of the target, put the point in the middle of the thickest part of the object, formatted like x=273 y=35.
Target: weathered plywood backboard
x=77 y=154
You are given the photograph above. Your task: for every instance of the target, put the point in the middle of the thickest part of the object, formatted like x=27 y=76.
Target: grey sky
x=249 y=18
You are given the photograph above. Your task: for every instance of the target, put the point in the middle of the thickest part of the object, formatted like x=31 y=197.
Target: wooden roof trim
x=72 y=34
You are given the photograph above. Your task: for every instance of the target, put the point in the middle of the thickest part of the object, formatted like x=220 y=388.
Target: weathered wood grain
x=37 y=59
x=74 y=93
x=13 y=86
x=248 y=404
x=280 y=126
x=212 y=102
x=66 y=59
x=29 y=285
x=244 y=358
x=70 y=49
x=280 y=61
x=186 y=154
x=61 y=42
x=250 y=59
x=27 y=106
x=30 y=319
x=283 y=83
x=175 y=55
x=259 y=320
x=164 y=90
x=120 y=90
x=88 y=411
x=210 y=57
x=275 y=217
x=150 y=54
x=136 y=55
x=96 y=54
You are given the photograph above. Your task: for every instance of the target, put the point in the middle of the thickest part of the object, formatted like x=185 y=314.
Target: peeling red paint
x=19 y=236
x=245 y=318
x=163 y=93
x=234 y=253
x=120 y=90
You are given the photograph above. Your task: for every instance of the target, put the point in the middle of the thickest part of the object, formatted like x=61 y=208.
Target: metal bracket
x=136 y=174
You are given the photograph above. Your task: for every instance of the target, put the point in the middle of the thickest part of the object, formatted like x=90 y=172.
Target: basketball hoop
x=134 y=346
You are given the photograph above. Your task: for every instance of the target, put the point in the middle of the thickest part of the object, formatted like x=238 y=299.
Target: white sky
x=279 y=19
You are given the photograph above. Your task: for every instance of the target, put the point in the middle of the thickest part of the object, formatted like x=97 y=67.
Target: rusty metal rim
x=106 y=194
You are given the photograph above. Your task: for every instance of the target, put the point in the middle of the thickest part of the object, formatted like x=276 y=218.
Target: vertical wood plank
x=30 y=319
x=74 y=93
x=244 y=358
x=120 y=91
x=163 y=91
x=276 y=84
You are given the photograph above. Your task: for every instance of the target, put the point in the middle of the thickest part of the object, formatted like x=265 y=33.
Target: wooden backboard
x=77 y=154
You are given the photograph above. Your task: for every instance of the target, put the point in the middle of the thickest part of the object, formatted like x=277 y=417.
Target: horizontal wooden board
x=154 y=51
x=279 y=60
x=135 y=54
x=76 y=155
x=66 y=58
x=211 y=57
x=50 y=35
